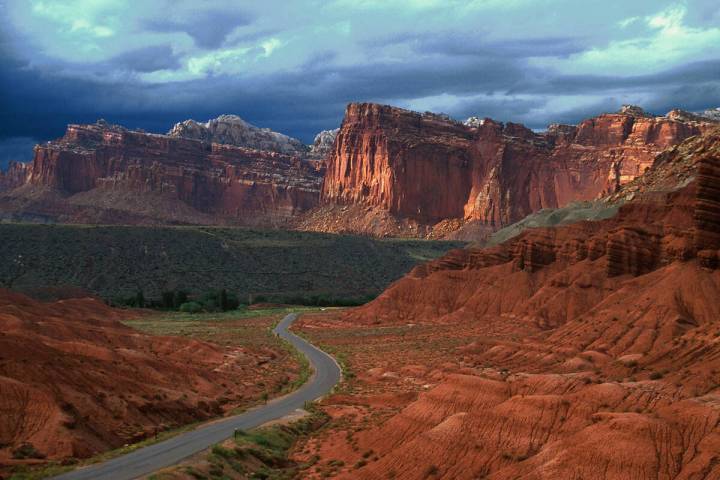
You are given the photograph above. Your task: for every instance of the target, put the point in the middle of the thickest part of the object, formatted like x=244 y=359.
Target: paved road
x=169 y=452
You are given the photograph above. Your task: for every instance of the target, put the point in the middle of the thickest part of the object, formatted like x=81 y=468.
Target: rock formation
x=711 y=114
x=588 y=351
x=653 y=229
x=323 y=143
x=15 y=176
x=430 y=169
x=201 y=182
x=233 y=130
x=385 y=172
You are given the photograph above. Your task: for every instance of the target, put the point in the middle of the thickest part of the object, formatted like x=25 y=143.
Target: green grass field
x=113 y=261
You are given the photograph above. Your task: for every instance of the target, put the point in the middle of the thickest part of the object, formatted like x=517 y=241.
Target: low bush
x=191 y=307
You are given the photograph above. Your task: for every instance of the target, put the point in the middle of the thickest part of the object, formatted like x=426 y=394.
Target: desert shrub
x=219 y=300
x=26 y=451
x=259 y=299
x=191 y=307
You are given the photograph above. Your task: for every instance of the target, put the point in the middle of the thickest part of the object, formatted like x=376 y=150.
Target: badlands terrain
x=589 y=351
x=79 y=378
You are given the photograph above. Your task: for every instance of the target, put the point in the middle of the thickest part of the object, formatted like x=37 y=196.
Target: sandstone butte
x=389 y=172
x=609 y=361
x=76 y=381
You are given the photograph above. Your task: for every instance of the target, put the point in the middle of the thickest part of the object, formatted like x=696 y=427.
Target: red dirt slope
x=75 y=381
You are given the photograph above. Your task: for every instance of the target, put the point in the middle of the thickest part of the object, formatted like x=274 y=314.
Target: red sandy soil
x=75 y=381
x=590 y=351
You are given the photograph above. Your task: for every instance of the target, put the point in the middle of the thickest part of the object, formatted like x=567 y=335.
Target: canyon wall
x=430 y=168
x=385 y=172
x=652 y=230
x=229 y=183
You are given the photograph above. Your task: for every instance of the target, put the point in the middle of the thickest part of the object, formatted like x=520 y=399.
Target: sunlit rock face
x=403 y=173
x=430 y=168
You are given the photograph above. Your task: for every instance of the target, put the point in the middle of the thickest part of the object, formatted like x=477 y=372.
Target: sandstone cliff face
x=15 y=176
x=399 y=173
x=429 y=168
x=233 y=130
x=233 y=184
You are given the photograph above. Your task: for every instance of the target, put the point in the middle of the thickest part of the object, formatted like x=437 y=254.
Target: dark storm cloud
x=297 y=102
x=147 y=59
x=19 y=149
x=207 y=28
x=302 y=84
x=498 y=107
x=688 y=74
x=477 y=45
x=302 y=102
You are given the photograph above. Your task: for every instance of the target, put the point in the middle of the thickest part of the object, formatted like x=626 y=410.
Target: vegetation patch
x=262 y=453
x=165 y=267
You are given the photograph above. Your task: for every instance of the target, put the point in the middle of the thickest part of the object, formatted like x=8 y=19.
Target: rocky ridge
x=323 y=143
x=233 y=130
x=76 y=381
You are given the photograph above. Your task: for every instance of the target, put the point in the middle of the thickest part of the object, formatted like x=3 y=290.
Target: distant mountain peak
x=233 y=130
x=633 y=111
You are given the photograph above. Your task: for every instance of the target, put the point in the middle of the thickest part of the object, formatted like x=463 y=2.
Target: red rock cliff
x=429 y=168
x=228 y=182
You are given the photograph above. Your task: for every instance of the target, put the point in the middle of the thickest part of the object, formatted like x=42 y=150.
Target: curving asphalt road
x=169 y=452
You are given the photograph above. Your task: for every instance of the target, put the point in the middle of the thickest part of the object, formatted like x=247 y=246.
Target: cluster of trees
x=326 y=301
x=222 y=301
x=210 y=301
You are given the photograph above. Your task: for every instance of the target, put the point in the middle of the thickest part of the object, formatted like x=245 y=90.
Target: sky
x=293 y=65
